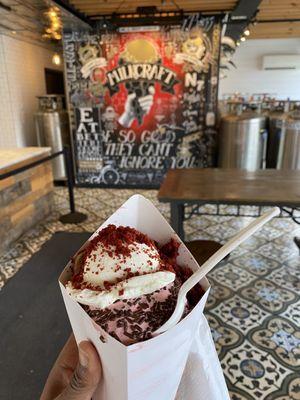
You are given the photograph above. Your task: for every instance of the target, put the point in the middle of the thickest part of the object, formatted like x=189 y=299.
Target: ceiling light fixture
x=52 y=13
x=53 y=28
x=246 y=32
x=56 y=59
x=243 y=39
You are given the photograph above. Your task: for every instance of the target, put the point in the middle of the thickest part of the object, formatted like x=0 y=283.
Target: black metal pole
x=73 y=217
x=70 y=178
x=177 y=217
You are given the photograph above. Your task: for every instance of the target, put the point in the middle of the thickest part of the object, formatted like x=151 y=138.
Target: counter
x=25 y=198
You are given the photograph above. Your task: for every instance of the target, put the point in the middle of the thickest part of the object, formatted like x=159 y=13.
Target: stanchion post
x=73 y=217
x=70 y=177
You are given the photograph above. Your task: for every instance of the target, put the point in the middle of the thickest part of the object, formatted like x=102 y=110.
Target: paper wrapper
x=153 y=369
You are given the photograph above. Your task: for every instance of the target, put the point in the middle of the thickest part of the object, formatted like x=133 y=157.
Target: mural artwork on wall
x=142 y=102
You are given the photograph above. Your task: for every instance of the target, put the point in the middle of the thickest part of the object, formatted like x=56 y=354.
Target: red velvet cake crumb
x=107 y=285
x=121 y=237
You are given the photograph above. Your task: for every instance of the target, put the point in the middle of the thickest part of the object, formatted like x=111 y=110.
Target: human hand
x=145 y=103
x=75 y=374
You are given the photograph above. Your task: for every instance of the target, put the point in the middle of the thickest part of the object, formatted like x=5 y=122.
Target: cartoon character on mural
x=90 y=58
x=86 y=53
x=92 y=68
x=195 y=51
x=228 y=48
x=109 y=118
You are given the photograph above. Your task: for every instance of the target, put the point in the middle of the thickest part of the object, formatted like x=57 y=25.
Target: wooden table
x=227 y=186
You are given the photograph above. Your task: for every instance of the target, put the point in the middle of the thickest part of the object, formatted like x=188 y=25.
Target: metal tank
x=289 y=151
x=52 y=129
x=242 y=141
x=275 y=124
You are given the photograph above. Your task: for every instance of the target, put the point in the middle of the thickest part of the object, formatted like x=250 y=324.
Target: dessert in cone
x=127 y=283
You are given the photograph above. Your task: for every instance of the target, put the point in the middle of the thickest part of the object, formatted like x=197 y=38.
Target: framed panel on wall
x=142 y=101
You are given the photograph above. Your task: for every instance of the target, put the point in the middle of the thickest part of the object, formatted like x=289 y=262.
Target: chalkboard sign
x=142 y=102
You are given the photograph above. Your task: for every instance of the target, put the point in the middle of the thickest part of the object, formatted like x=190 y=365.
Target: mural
x=142 y=102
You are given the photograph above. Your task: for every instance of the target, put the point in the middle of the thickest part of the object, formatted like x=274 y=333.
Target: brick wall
x=22 y=69
x=7 y=132
x=25 y=199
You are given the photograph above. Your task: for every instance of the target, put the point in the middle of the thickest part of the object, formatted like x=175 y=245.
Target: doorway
x=54 y=81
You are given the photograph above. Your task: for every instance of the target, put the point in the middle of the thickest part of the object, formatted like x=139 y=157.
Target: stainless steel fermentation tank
x=275 y=127
x=52 y=128
x=242 y=141
x=289 y=149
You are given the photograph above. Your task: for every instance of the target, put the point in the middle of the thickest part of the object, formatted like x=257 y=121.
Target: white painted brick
x=22 y=72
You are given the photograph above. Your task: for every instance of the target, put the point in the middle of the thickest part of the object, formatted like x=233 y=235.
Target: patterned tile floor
x=254 y=305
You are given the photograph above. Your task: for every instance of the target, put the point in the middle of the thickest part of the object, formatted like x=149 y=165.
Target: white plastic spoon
x=244 y=234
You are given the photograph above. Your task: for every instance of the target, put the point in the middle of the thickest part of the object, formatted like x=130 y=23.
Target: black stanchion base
x=73 y=218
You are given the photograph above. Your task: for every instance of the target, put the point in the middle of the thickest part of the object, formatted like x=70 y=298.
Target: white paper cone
x=150 y=370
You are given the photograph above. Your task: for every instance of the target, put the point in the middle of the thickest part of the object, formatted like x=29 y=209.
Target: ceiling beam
x=115 y=21
x=67 y=6
x=272 y=21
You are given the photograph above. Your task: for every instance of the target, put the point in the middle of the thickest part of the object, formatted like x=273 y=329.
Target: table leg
x=177 y=217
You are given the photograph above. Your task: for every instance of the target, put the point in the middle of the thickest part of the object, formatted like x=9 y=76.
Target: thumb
x=86 y=375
